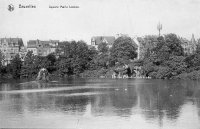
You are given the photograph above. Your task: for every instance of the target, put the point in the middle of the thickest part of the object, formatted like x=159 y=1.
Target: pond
x=101 y=104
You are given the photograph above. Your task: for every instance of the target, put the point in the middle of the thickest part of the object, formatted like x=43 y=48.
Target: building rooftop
x=13 y=41
x=99 y=39
x=32 y=43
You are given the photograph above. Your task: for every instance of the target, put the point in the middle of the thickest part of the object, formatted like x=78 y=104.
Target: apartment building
x=96 y=40
x=10 y=47
x=42 y=48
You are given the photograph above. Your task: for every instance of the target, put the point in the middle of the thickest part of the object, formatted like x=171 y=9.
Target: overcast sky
x=98 y=17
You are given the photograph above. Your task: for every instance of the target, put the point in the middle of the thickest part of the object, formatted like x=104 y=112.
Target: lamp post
x=159 y=28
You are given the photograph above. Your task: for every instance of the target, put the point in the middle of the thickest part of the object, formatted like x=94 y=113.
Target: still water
x=101 y=104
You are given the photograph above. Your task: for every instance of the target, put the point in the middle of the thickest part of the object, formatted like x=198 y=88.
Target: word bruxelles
x=27 y=6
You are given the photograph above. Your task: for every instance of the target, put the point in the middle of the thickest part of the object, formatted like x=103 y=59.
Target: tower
x=193 y=43
x=159 y=28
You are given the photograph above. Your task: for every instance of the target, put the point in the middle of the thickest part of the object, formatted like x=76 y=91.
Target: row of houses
x=42 y=48
x=12 y=46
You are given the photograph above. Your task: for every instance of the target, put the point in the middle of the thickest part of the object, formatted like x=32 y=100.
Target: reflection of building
x=10 y=47
x=42 y=48
x=96 y=40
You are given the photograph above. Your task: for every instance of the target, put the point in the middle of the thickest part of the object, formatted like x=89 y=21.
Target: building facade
x=10 y=47
x=42 y=48
x=96 y=40
x=189 y=47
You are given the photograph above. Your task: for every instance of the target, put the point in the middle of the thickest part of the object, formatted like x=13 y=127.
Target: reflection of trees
x=118 y=102
x=74 y=104
x=36 y=102
x=157 y=99
x=197 y=98
x=15 y=103
x=193 y=91
x=161 y=97
x=125 y=100
x=40 y=101
x=52 y=102
x=164 y=98
x=10 y=99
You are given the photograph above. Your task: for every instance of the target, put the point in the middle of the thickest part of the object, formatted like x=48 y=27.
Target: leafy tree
x=74 y=58
x=1 y=58
x=92 y=54
x=16 y=65
x=176 y=64
x=1 y=62
x=198 y=48
x=123 y=49
x=103 y=47
x=81 y=56
x=51 y=59
x=102 y=59
x=166 y=59
x=64 y=67
x=28 y=65
x=174 y=44
x=147 y=44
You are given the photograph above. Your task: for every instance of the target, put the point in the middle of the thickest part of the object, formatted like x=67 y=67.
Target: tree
x=28 y=65
x=123 y=49
x=51 y=59
x=103 y=47
x=198 y=48
x=74 y=58
x=193 y=61
x=1 y=58
x=174 y=44
x=166 y=59
x=1 y=62
x=93 y=53
x=147 y=44
x=176 y=64
x=16 y=65
x=102 y=59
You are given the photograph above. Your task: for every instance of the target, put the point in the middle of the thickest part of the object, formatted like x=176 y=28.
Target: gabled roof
x=13 y=41
x=32 y=43
x=99 y=39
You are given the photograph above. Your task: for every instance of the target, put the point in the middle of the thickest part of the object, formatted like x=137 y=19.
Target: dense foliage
x=167 y=59
x=1 y=62
x=161 y=57
x=123 y=50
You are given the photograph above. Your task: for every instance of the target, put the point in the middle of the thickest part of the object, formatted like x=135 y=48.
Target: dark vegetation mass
x=161 y=58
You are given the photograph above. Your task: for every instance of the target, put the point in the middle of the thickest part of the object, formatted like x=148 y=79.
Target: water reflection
x=154 y=100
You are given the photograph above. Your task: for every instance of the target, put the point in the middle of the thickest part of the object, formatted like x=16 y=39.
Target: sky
x=98 y=18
